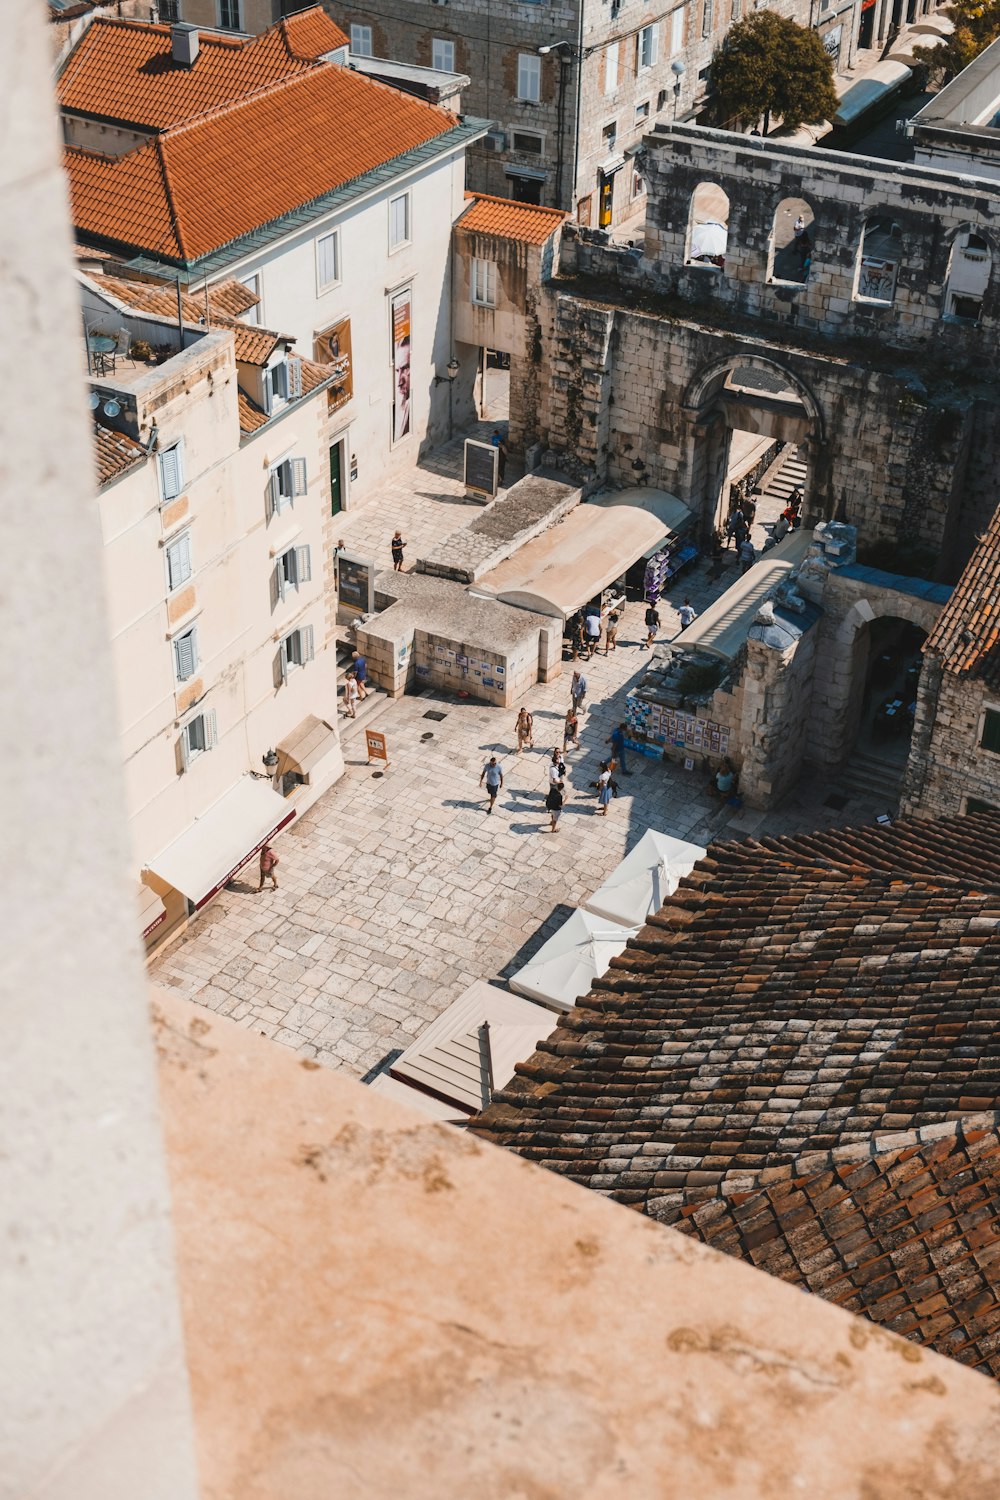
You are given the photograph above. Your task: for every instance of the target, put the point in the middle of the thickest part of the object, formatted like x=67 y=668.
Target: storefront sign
x=481 y=461
x=356 y=582
x=377 y=750
x=154 y=923
x=400 y=306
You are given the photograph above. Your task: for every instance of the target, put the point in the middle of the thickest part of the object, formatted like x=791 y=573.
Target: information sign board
x=481 y=461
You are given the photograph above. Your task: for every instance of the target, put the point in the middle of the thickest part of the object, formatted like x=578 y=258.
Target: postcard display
x=665 y=728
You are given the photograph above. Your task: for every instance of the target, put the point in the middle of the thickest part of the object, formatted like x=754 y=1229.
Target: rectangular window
x=648 y=47
x=253 y=284
x=676 y=31
x=229 y=15
x=283 y=382
x=484 y=282
x=707 y=17
x=991 y=730
x=528 y=141
x=610 y=134
x=296 y=650
x=361 y=41
x=292 y=570
x=288 y=479
x=178 y=554
x=186 y=654
x=661 y=101
x=642 y=112
x=171 y=466
x=976 y=804
x=443 y=54
x=327 y=261
x=529 y=77
x=399 y=221
x=198 y=735
x=611 y=68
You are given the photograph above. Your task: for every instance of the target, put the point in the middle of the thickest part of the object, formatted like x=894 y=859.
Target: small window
x=327 y=261
x=443 y=54
x=707 y=17
x=361 y=41
x=296 y=650
x=677 y=31
x=171 y=465
x=292 y=570
x=991 y=731
x=976 y=804
x=610 y=133
x=399 y=221
x=528 y=141
x=198 y=735
x=484 y=282
x=186 y=654
x=642 y=111
x=661 y=101
x=647 y=47
x=288 y=479
x=229 y=15
x=253 y=284
x=611 y=55
x=529 y=77
x=283 y=382
x=178 y=554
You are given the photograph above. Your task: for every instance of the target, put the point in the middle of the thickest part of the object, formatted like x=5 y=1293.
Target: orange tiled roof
x=115 y=453
x=200 y=186
x=252 y=417
x=967 y=633
x=508 y=220
x=226 y=299
x=123 y=70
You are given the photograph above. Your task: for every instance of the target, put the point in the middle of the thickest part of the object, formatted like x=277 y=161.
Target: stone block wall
x=461 y=667
x=774 y=727
x=947 y=764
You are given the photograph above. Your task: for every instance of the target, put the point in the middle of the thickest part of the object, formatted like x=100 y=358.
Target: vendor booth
x=222 y=841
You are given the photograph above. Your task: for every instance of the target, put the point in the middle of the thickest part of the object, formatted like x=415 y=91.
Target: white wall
x=368 y=272
x=93 y=1391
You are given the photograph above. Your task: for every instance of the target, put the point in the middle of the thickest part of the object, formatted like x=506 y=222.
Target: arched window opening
x=969 y=268
x=879 y=261
x=793 y=236
x=708 y=227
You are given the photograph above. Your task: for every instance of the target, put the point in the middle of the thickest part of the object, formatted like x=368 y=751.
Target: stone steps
x=353 y=729
x=871 y=776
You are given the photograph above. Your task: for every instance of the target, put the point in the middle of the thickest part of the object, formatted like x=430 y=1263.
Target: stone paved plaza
x=397 y=890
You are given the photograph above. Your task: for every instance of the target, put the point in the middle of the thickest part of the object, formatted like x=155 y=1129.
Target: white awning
x=414 y=1098
x=220 y=842
x=571 y=563
x=151 y=910
x=450 y=1060
x=566 y=966
x=309 y=743
x=644 y=879
x=724 y=626
x=885 y=78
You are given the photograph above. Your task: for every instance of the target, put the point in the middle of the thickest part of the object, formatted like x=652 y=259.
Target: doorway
x=338 y=476
x=526 y=189
x=606 y=202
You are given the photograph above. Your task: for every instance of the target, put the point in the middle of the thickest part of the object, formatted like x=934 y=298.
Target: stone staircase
x=375 y=699
x=869 y=775
x=787 y=474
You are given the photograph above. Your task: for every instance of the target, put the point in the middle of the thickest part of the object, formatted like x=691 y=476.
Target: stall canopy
x=220 y=842
x=151 y=910
x=566 y=966
x=724 y=626
x=405 y=1093
x=309 y=743
x=453 y=1059
x=574 y=560
x=884 y=79
x=644 y=879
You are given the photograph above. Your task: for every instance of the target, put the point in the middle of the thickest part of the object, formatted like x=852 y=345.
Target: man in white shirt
x=593 y=628
x=688 y=614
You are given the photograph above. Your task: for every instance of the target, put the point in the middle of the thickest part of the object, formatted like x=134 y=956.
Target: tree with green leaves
x=977 y=24
x=768 y=65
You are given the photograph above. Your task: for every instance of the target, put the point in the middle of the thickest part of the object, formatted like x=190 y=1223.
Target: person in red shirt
x=268 y=865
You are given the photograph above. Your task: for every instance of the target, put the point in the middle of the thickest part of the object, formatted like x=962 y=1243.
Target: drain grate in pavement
x=837 y=801
x=429 y=735
x=435 y=713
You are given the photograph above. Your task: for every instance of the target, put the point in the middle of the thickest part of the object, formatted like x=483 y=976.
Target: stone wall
x=774 y=728
x=947 y=764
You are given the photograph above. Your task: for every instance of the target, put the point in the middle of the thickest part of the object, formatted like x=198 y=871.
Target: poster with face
x=400 y=306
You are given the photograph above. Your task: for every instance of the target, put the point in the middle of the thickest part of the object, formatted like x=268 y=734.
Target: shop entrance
x=337 y=475
x=885 y=674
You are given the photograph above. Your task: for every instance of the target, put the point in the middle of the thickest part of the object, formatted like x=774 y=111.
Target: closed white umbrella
x=566 y=966
x=644 y=879
x=709 y=239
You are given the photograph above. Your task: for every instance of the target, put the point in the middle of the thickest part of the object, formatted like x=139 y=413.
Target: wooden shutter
x=281 y=582
x=293 y=377
x=186 y=655
x=179 y=560
x=185 y=750
x=273 y=495
x=326 y=249
x=306 y=638
x=303 y=565
x=211 y=729
x=171 y=472
x=277 y=591
x=298 y=477
x=283 y=657
x=654 y=46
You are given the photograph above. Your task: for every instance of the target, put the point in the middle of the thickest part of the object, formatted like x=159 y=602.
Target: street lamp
x=678 y=69
x=270 y=762
x=451 y=368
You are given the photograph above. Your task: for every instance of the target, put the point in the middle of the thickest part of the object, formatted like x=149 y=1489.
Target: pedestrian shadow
x=242 y=888
x=555 y=919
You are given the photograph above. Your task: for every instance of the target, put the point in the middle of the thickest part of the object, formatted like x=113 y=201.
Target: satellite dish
x=111 y=408
x=94 y=400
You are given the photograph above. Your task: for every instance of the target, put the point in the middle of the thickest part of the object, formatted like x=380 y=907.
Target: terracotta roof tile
x=123 y=70
x=252 y=417
x=505 y=219
x=200 y=186
x=115 y=453
x=967 y=633
x=226 y=299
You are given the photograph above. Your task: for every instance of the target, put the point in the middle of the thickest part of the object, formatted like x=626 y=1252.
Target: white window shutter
x=171 y=472
x=306 y=637
x=491 y=282
x=303 y=565
x=184 y=550
x=185 y=750
x=184 y=656
x=273 y=496
x=327 y=253
x=298 y=476
x=294 y=377
x=211 y=729
x=279 y=579
x=283 y=658
x=654 y=51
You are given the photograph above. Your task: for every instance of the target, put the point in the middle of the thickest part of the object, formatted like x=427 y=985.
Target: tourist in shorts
x=493 y=776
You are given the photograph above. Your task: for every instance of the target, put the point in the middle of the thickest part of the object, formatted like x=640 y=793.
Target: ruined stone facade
x=649 y=358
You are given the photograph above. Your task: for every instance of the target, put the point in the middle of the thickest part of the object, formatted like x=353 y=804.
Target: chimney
x=184 y=43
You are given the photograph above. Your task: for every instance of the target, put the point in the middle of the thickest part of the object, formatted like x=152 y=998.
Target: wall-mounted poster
x=400 y=307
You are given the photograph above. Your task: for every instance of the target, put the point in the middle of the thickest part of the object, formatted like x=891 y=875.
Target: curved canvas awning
x=309 y=743
x=151 y=910
x=724 y=626
x=222 y=840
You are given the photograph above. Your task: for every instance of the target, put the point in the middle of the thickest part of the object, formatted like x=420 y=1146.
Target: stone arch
x=791 y=241
x=967 y=279
x=707 y=237
x=707 y=384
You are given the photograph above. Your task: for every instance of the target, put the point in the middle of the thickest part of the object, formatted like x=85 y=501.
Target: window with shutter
x=327 y=261
x=677 y=31
x=611 y=68
x=361 y=41
x=293 y=377
x=306 y=636
x=197 y=736
x=303 y=565
x=529 y=77
x=179 y=567
x=297 y=472
x=648 y=47
x=991 y=730
x=399 y=221
x=186 y=654
x=171 y=472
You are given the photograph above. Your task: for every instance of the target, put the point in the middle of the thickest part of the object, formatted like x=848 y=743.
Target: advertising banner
x=400 y=306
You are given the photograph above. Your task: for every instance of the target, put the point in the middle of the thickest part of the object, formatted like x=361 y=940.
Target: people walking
x=578 y=691
x=397 y=544
x=554 y=804
x=571 y=733
x=611 y=632
x=652 y=626
x=746 y=555
x=557 y=767
x=493 y=776
x=605 y=791
x=268 y=865
x=351 y=695
x=617 y=742
x=688 y=614
x=524 y=729
x=593 y=627
x=360 y=674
